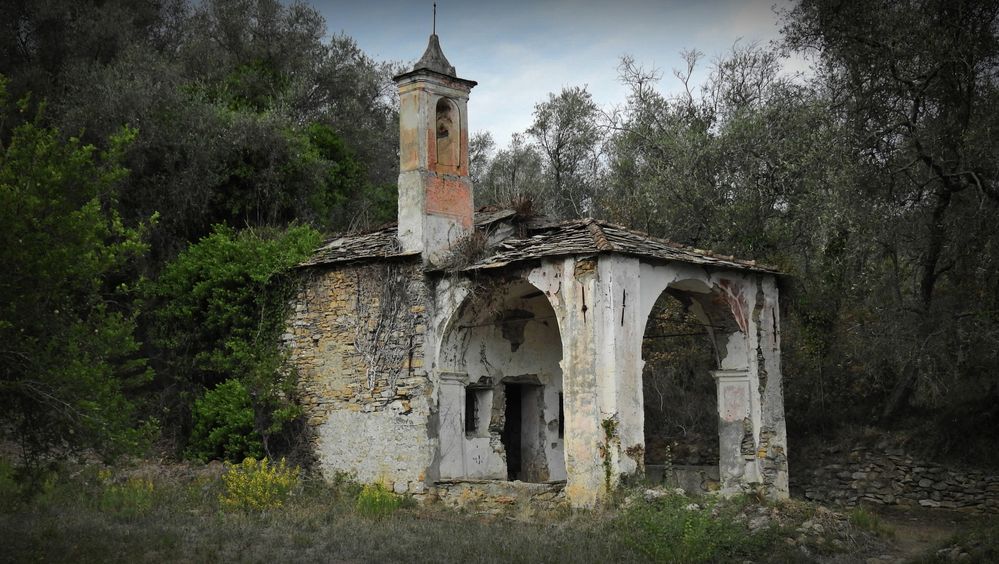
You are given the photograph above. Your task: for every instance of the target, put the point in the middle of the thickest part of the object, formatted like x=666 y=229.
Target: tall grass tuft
x=376 y=501
x=863 y=519
x=132 y=497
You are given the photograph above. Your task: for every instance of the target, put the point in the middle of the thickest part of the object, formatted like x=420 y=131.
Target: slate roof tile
x=544 y=239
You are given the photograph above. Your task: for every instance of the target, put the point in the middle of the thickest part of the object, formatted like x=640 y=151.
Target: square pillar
x=451 y=402
x=601 y=373
x=736 y=443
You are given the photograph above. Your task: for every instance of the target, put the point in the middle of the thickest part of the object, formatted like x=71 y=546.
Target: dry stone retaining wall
x=891 y=477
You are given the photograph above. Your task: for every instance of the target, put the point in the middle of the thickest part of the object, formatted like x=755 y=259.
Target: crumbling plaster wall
x=502 y=333
x=356 y=336
x=602 y=304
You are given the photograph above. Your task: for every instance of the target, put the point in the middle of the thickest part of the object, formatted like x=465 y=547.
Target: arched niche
x=447 y=128
x=501 y=387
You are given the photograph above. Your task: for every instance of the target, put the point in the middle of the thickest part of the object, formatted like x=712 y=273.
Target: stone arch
x=501 y=385
x=447 y=133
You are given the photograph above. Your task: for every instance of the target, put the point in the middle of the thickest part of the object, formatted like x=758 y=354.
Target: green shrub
x=375 y=500
x=257 y=485
x=675 y=528
x=224 y=425
x=217 y=316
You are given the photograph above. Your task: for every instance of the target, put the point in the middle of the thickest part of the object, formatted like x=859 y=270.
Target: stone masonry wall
x=888 y=476
x=355 y=335
x=497 y=496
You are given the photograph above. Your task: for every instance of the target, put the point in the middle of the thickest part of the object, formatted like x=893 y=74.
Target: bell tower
x=435 y=191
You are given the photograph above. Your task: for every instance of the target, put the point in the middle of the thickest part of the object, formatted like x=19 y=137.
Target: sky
x=520 y=51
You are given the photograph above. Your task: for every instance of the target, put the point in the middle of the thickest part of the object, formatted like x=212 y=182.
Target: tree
x=515 y=173
x=566 y=130
x=661 y=176
x=242 y=113
x=480 y=153
x=916 y=84
x=755 y=163
x=68 y=353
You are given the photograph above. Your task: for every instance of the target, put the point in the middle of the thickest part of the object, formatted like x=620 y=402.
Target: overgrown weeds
x=863 y=519
x=258 y=484
x=375 y=500
x=676 y=528
x=465 y=251
x=978 y=543
x=181 y=513
x=133 y=496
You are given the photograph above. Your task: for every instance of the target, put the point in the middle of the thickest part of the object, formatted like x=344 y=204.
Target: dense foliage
x=68 y=352
x=217 y=314
x=179 y=142
x=223 y=425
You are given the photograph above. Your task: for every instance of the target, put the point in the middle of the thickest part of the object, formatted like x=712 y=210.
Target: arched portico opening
x=694 y=330
x=500 y=393
x=681 y=422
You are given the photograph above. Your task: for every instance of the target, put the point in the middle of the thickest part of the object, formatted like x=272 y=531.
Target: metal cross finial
x=435 y=18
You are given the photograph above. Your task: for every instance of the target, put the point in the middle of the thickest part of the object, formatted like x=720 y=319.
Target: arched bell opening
x=447 y=128
x=501 y=387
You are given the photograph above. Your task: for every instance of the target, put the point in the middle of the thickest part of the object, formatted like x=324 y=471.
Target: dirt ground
x=918 y=532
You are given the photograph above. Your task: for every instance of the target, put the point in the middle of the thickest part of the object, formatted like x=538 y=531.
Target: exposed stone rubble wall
x=492 y=496
x=890 y=477
x=356 y=338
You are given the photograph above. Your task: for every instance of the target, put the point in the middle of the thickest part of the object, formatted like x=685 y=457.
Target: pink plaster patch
x=736 y=300
x=450 y=198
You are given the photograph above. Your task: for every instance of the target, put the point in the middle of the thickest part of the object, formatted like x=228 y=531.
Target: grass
x=376 y=501
x=84 y=517
x=865 y=520
x=177 y=513
x=676 y=529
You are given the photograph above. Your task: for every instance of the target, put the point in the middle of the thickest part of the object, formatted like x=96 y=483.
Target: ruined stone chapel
x=464 y=347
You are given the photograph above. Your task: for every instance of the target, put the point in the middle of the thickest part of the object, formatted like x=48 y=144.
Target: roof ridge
x=599 y=237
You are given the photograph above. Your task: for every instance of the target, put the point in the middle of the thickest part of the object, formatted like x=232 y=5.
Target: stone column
x=772 y=449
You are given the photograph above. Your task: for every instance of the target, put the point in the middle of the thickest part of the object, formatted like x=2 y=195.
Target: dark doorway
x=523 y=432
x=513 y=430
